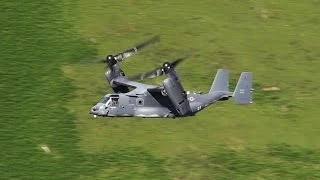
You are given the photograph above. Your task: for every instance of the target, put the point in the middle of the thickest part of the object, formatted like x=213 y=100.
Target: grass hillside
x=50 y=78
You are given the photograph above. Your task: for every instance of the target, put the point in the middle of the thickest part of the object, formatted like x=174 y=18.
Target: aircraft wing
x=155 y=90
x=126 y=82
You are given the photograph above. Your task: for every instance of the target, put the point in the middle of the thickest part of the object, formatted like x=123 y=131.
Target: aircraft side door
x=125 y=107
x=113 y=106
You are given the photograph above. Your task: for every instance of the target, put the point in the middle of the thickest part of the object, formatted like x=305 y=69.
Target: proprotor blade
x=157 y=71
x=123 y=55
x=150 y=74
x=178 y=61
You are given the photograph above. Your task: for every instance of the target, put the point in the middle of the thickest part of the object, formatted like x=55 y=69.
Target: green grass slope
x=50 y=78
x=35 y=42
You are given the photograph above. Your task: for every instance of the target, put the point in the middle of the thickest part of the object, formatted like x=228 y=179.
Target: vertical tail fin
x=221 y=81
x=242 y=93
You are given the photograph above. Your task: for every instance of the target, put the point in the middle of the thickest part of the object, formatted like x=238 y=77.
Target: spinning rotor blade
x=123 y=55
x=178 y=61
x=114 y=59
x=156 y=72
x=150 y=74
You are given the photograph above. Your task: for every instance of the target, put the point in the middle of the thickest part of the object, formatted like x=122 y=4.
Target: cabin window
x=114 y=101
x=139 y=102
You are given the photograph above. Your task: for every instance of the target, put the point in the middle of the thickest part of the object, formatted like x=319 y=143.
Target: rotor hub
x=167 y=67
x=111 y=60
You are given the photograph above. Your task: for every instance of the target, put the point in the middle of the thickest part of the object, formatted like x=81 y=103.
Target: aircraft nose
x=99 y=110
x=94 y=110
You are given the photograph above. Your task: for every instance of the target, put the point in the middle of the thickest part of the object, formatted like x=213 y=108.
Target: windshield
x=104 y=100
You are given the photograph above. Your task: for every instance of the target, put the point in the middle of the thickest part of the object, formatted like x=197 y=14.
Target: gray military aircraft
x=167 y=100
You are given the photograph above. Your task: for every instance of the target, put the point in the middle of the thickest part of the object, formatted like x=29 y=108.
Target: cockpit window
x=104 y=100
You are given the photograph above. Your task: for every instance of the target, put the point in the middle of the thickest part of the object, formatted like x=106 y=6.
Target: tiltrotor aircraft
x=167 y=100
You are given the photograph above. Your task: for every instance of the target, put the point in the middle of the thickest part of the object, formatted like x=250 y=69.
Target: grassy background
x=50 y=78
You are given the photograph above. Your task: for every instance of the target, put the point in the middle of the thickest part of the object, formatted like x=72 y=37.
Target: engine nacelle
x=110 y=75
x=177 y=95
